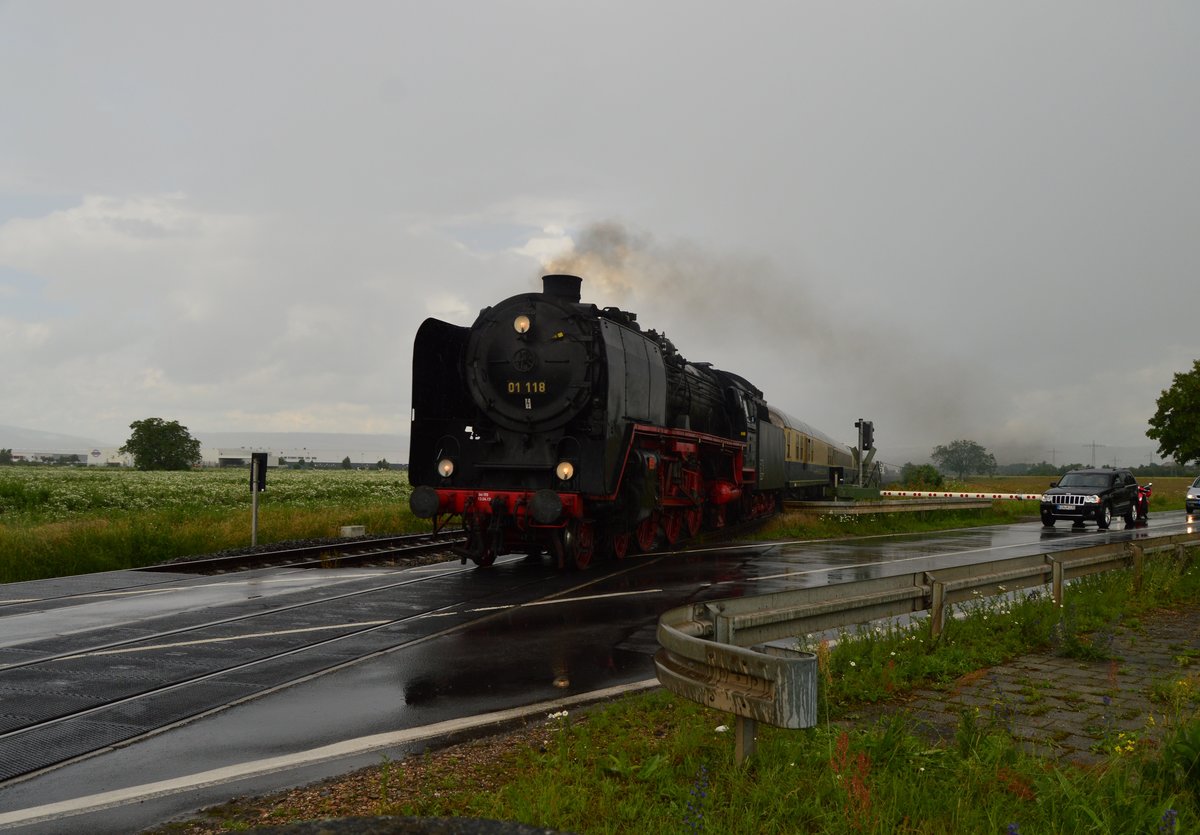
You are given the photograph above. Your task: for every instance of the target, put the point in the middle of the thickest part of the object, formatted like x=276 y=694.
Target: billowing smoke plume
x=822 y=363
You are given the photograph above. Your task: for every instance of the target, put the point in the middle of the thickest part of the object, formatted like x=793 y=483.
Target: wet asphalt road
x=476 y=642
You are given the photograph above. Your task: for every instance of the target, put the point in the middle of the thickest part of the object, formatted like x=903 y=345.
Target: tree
x=1176 y=424
x=383 y=464
x=6 y=456
x=962 y=457
x=158 y=445
x=346 y=465
x=921 y=475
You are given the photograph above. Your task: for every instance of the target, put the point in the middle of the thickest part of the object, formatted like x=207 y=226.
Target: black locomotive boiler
x=553 y=425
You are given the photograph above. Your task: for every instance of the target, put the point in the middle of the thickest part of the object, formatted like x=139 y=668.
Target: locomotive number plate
x=526 y=386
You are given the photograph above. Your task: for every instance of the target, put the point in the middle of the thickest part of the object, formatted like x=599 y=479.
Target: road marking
x=315 y=756
x=552 y=602
x=126 y=650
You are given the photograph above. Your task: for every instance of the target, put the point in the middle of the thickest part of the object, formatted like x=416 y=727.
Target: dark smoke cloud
x=775 y=326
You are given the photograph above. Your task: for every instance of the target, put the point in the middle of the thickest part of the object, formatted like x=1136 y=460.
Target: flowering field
x=60 y=493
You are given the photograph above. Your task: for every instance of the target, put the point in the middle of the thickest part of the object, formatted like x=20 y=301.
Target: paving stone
x=1061 y=708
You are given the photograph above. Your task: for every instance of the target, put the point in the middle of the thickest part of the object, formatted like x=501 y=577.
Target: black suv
x=1095 y=495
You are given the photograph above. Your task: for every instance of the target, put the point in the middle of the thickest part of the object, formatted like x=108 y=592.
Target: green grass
x=56 y=521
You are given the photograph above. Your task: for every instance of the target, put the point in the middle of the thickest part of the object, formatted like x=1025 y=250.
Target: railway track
x=387 y=550
x=69 y=695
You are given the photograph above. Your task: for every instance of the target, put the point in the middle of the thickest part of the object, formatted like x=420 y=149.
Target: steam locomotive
x=552 y=425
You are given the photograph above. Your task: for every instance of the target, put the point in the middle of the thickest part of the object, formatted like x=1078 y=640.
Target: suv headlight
x=1046 y=497
x=1091 y=500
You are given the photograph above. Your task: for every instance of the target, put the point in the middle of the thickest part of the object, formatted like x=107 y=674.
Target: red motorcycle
x=1143 y=501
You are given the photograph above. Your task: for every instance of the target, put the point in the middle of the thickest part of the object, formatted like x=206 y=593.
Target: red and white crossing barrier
x=920 y=494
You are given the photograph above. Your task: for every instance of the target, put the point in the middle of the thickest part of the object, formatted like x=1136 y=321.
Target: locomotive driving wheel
x=620 y=544
x=581 y=544
x=646 y=534
x=672 y=525
x=694 y=516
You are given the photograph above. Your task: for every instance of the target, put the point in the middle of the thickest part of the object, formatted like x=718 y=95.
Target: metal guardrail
x=714 y=653
x=863 y=508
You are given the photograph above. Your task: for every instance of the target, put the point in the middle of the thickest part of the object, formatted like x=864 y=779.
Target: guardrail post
x=745 y=739
x=937 y=607
x=722 y=626
x=1139 y=560
x=1056 y=580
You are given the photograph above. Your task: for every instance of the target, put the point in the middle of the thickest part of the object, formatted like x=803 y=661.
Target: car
x=1192 y=502
x=1095 y=495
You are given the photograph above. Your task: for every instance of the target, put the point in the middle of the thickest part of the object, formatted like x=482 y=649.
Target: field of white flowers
x=59 y=493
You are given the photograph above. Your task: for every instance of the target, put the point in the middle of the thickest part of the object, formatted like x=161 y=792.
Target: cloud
x=940 y=217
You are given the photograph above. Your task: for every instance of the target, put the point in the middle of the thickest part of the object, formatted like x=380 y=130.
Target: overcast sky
x=961 y=219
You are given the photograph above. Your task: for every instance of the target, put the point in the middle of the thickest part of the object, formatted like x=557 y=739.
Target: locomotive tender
x=554 y=425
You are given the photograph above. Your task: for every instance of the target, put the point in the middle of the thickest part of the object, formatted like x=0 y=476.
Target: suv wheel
x=1131 y=514
x=1048 y=520
x=1105 y=516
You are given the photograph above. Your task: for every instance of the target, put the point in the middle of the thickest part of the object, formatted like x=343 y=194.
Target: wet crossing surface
x=311 y=658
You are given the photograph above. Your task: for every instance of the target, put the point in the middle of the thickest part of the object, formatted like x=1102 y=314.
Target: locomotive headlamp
x=445 y=468
x=564 y=470
x=522 y=324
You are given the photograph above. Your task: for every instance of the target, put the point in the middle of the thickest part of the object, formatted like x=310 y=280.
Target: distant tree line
x=963 y=457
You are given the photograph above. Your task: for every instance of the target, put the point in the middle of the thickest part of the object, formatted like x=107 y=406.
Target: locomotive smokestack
x=562 y=286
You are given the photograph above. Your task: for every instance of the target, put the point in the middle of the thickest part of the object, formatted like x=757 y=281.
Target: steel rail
x=261 y=613
x=325 y=555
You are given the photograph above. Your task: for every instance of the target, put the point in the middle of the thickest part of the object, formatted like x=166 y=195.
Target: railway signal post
x=258 y=483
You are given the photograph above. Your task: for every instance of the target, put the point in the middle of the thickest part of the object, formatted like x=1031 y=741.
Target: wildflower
x=562 y=714
x=1168 y=821
x=852 y=664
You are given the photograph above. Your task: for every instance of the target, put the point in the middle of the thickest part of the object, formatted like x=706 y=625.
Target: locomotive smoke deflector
x=562 y=287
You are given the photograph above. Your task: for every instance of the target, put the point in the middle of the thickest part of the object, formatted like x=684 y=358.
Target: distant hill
x=19 y=438
x=393 y=446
